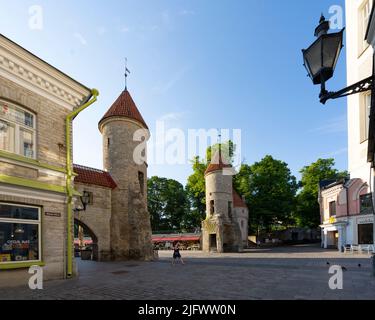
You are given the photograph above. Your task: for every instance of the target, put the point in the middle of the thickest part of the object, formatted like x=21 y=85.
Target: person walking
x=177 y=254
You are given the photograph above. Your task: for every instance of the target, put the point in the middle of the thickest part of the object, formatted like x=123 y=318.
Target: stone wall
x=242 y=217
x=223 y=222
x=98 y=216
x=50 y=122
x=130 y=221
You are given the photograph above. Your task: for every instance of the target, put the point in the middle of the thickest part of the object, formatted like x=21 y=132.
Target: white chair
x=347 y=248
x=354 y=248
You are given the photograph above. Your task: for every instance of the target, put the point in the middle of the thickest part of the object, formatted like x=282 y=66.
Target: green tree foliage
x=167 y=204
x=307 y=212
x=196 y=183
x=196 y=192
x=269 y=189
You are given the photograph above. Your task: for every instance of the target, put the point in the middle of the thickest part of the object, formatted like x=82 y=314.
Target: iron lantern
x=321 y=57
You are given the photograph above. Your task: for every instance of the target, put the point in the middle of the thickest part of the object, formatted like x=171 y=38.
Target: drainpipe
x=69 y=175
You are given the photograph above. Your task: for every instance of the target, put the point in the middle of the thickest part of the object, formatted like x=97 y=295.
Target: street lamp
x=85 y=200
x=320 y=61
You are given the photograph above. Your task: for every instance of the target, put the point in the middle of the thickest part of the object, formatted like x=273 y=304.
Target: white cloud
x=337 y=152
x=165 y=17
x=172 y=116
x=101 y=30
x=164 y=88
x=80 y=38
x=186 y=12
x=125 y=29
x=335 y=125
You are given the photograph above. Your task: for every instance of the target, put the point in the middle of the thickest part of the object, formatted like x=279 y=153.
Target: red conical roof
x=238 y=202
x=124 y=106
x=217 y=163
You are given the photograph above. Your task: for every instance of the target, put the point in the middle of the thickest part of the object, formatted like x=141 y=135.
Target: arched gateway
x=85 y=238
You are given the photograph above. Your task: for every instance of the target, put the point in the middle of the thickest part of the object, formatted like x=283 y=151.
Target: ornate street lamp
x=85 y=200
x=320 y=61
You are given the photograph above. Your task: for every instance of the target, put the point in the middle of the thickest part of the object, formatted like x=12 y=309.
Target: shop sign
x=366 y=220
x=53 y=214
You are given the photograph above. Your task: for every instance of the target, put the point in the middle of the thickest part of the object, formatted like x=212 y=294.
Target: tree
x=269 y=189
x=307 y=212
x=196 y=189
x=167 y=204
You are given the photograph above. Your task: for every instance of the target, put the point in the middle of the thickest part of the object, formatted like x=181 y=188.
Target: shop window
x=19 y=233
x=17 y=130
x=365 y=233
x=332 y=209
x=366 y=203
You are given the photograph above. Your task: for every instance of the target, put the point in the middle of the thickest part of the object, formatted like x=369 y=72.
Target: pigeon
x=359 y=265
x=328 y=263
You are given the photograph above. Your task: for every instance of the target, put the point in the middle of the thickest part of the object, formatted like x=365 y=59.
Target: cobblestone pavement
x=299 y=272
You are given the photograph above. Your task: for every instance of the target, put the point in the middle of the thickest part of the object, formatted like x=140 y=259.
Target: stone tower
x=220 y=230
x=130 y=220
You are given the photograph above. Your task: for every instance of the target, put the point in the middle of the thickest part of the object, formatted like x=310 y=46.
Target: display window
x=20 y=230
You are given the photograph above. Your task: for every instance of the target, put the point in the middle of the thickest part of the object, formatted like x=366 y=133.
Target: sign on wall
x=365 y=220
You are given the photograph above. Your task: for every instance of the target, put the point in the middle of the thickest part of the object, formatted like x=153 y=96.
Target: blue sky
x=196 y=64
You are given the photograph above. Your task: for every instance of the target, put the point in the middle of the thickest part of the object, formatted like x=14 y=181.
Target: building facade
x=41 y=189
x=346 y=208
x=226 y=226
x=36 y=102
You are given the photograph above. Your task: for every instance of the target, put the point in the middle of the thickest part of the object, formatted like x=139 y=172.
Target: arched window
x=17 y=130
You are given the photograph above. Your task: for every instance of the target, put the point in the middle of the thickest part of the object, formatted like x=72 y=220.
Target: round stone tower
x=125 y=134
x=220 y=229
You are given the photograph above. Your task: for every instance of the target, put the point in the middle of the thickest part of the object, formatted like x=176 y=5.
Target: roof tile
x=93 y=176
x=124 y=106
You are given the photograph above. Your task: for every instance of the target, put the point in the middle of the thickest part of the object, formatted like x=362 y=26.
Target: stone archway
x=94 y=238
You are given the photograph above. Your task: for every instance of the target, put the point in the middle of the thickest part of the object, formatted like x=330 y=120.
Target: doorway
x=85 y=242
x=213 y=243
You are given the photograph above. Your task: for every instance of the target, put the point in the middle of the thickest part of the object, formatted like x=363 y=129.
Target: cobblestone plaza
x=297 y=273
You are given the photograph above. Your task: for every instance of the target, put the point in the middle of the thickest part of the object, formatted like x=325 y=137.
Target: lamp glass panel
x=331 y=50
x=313 y=57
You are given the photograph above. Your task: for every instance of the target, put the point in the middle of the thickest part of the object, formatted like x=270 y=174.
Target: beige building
x=226 y=226
x=37 y=101
x=346 y=206
x=38 y=196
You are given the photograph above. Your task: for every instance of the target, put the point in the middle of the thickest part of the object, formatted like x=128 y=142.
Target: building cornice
x=27 y=70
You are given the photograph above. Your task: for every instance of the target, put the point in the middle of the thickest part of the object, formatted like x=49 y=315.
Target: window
x=230 y=210
x=212 y=207
x=141 y=179
x=19 y=233
x=364 y=19
x=17 y=130
x=332 y=209
x=365 y=233
x=366 y=203
x=365 y=116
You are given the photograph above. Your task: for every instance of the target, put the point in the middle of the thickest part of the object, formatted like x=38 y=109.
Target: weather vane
x=127 y=72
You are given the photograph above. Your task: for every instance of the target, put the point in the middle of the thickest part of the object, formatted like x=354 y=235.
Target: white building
x=346 y=208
